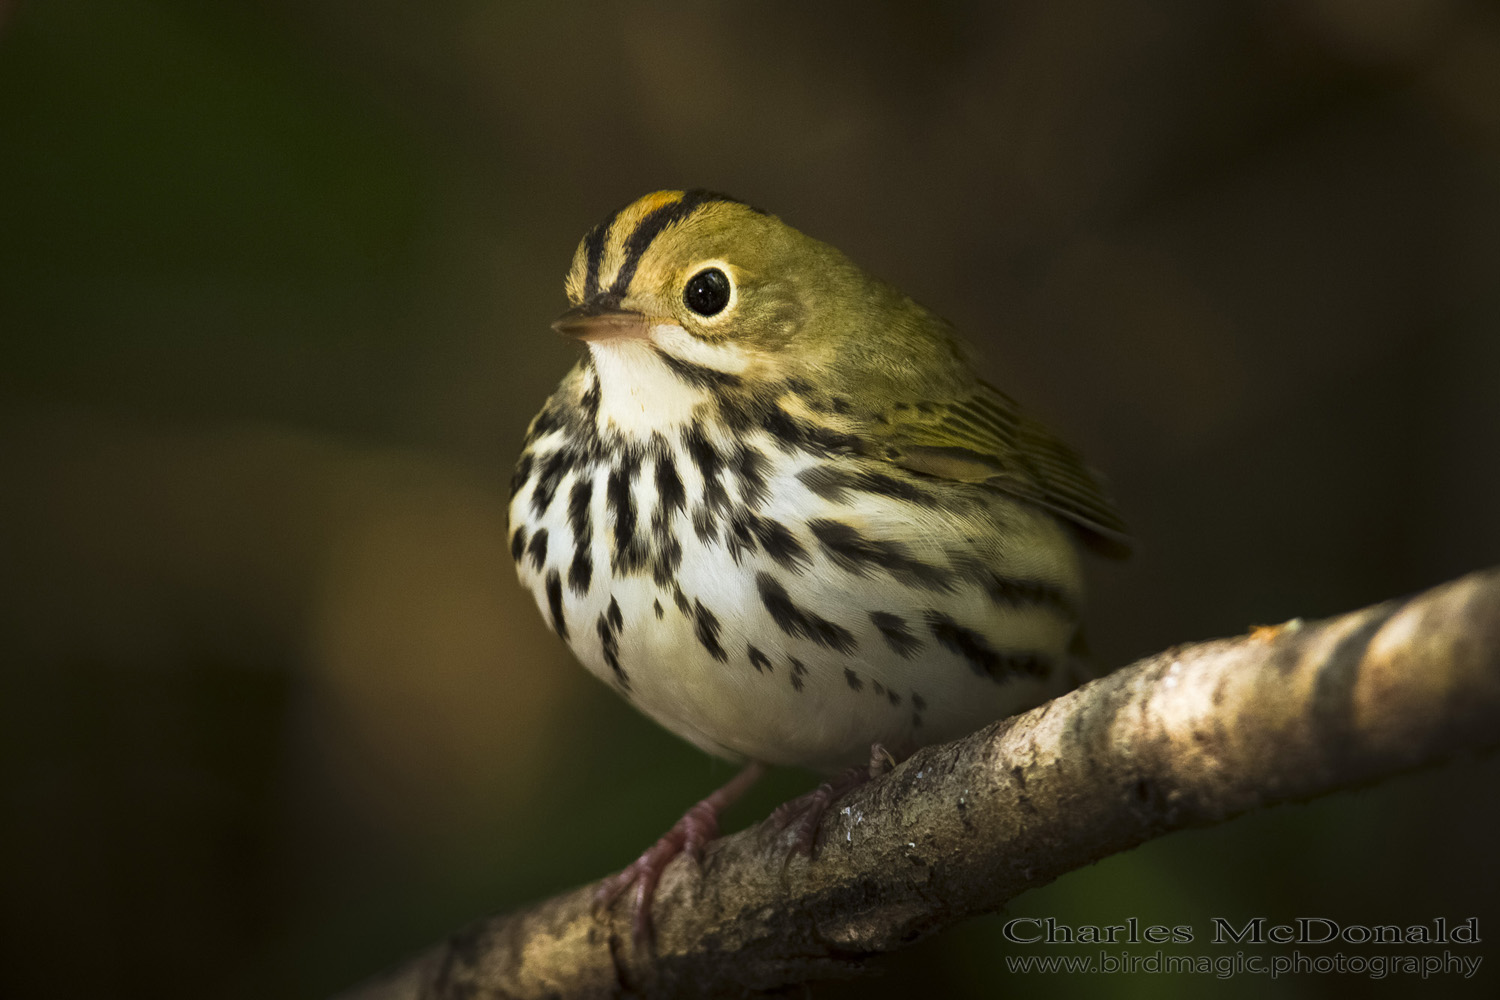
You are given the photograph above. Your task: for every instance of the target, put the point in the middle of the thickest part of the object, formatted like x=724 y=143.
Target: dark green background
x=275 y=285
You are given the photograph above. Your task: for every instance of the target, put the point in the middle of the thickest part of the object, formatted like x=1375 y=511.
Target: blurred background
x=275 y=286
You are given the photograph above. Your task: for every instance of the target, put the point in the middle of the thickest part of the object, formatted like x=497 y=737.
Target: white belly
x=802 y=647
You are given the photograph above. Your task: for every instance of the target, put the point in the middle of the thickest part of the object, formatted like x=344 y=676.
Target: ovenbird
x=775 y=507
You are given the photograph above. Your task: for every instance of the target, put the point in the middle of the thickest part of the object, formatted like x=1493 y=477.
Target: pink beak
x=590 y=323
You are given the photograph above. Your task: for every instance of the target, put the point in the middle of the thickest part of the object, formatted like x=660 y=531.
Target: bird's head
x=682 y=292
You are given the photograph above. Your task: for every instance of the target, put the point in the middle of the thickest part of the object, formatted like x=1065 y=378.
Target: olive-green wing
x=985 y=438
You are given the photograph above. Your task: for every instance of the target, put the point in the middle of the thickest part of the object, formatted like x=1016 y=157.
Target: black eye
x=707 y=292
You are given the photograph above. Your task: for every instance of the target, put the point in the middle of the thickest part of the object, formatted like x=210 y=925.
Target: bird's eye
x=707 y=292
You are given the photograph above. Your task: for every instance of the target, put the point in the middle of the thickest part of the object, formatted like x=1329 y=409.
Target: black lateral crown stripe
x=651 y=226
x=593 y=245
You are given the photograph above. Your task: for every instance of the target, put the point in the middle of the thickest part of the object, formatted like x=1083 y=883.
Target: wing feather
x=986 y=438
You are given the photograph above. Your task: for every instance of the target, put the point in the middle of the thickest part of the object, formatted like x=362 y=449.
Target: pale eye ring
x=707 y=292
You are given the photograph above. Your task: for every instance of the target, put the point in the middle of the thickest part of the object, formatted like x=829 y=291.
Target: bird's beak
x=591 y=322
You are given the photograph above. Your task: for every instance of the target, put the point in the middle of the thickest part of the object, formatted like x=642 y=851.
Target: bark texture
x=1190 y=737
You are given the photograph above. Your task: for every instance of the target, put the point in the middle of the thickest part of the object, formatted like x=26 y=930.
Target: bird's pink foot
x=805 y=813
x=689 y=835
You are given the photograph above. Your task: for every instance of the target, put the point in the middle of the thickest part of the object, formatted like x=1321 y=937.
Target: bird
x=776 y=508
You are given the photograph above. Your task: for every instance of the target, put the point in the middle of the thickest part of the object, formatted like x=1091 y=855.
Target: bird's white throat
x=640 y=394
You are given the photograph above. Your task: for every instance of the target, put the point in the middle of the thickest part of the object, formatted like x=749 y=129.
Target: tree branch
x=1190 y=737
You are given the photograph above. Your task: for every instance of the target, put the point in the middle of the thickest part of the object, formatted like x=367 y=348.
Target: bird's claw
x=689 y=835
x=805 y=813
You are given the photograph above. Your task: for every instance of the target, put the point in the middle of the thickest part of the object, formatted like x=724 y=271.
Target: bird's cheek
x=719 y=355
